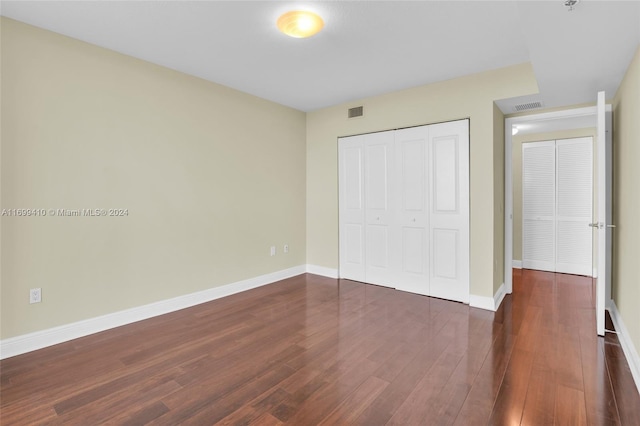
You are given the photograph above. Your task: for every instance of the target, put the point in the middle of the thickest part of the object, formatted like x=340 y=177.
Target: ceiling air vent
x=527 y=106
x=355 y=112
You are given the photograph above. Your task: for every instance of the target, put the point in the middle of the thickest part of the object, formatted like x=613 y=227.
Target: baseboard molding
x=52 y=336
x=516 y=264
x=499 y=297
x=482 y=302
x=488 y=303
x=321 y=270
x=630 y=351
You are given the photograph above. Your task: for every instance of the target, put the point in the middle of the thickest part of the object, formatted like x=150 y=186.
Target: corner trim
x=482 y=302
x=516 y=264
x=499 y=296
x=40 y=339
x=488 y=303
x=322 y=270
x=630 y=351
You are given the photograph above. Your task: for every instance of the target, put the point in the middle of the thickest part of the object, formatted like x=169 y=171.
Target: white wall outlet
x=286 y=248
x=35 y=295
x=273 y=250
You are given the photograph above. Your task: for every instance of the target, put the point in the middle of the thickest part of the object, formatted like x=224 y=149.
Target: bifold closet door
x=379 y=214
x=539 y=205
x=449 y=210
x=574 y=206
x=432 y=236
x=557 y=195
x=352 y=207
x=404 y=209
x=412 y=214
x=365 y=208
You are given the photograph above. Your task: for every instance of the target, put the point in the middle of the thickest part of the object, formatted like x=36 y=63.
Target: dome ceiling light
x=300 y=23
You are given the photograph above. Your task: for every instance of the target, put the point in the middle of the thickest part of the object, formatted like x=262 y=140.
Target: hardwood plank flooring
x=311 y=350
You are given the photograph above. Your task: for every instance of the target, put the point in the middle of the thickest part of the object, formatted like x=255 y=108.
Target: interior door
x=379 y=211
x=603 y=224
x=449 y=210
x=351 y=207
x=412 y=213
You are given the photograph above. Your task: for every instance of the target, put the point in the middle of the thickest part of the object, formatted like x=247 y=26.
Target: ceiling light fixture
x=300 y=23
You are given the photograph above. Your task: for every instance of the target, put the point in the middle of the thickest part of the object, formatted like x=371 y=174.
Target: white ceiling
x=365 y=49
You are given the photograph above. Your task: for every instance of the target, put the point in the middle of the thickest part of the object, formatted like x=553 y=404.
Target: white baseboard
x=321 y=270
x=499 y=297
x=516 y=264
x=52 y=336
x=488 y=303
x=482 y=302
x=630 y=351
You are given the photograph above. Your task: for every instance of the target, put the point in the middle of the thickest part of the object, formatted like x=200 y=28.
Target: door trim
x=508 y=178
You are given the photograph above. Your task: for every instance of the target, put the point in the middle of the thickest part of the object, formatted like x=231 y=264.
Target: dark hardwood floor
x=311 y=350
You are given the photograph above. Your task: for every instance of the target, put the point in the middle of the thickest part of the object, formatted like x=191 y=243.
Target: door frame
x=508 y=180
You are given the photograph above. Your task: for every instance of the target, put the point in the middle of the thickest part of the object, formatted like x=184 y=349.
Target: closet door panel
x=379 y=201
x=574 y=181
x=413 y=258
x=449 y=216
x=411 y=239
x=538 y=205
x=351 y=207
x=446 y=187
x=445 y=266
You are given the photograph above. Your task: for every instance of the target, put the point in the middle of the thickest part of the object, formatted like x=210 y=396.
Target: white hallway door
x=404 y=209
x=557 y=195
x=604 y=225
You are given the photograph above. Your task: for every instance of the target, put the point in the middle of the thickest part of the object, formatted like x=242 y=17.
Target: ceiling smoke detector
x=570 y=4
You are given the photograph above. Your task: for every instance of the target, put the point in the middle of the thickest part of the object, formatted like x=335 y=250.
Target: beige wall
x=207 y=194
x=467 y=97
x=516 y=164
x=626 y=199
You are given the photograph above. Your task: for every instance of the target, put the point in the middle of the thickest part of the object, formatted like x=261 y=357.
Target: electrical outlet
x=35 y=295
x=273 y=250
x=286 y=248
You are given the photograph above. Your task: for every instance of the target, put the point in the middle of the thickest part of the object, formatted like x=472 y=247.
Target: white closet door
x=538 y=205
x=449 y=208
x=574 y=205
x=404 y=209
x=412 y=213
x=378 y=171
x=352 y=207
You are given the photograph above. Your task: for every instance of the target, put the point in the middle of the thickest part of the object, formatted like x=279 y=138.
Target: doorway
x=571 y=122
x=600 y=116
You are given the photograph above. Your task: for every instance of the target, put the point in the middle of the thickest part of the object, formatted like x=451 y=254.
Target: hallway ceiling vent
x=355 y=112
x=528 y=106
